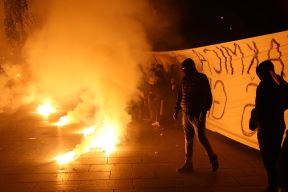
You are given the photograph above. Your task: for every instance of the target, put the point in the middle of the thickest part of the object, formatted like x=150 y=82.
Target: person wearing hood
x=269 y=107
x=194 y=100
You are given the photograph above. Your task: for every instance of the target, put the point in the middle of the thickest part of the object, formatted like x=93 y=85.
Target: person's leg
x=200 y=127
x=188 y=135
x=150 y=108
x=283 y=167
x=270 y=146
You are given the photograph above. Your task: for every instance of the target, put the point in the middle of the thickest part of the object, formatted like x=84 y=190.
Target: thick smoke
x=90 y=50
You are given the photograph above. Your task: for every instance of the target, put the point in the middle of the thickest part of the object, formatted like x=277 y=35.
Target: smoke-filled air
x=87 y=53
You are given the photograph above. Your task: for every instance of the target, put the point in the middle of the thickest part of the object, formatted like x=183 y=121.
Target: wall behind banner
x=230 y=68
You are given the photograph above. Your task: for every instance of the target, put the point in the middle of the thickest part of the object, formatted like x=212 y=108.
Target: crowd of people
x=158 y=91
x=165 y=92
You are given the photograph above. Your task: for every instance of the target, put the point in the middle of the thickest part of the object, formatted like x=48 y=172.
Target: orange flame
x=64 y=120
x=66 y=158
x=105 y=139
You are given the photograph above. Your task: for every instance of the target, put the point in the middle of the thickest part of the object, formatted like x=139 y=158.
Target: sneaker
x=214 y=163
x=185 y=168
x=156 y=124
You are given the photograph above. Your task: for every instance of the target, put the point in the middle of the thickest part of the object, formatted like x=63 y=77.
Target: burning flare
x=103 y=138
x=64 y=120
x=46 y=109
x=66 y=158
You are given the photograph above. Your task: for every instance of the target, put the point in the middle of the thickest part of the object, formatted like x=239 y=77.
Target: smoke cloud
x=89 y=50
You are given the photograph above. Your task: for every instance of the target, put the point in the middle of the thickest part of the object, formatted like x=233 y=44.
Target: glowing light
x=18 y=75
x=104 y=138
x=64 y=120
x=45 y=109
x=66 y=158
x=87 y=132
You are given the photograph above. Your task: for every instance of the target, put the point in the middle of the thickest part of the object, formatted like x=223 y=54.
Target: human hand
x=201 y=116
x=175 y=116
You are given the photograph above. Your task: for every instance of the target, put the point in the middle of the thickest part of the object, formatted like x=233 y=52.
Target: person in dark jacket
x=269 y=108
x=194 y=100
x=283 y=166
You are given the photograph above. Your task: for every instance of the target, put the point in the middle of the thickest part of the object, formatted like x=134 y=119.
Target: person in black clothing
x=163 y=85
x=283 y=166
x=172 y=96
x=270 y=119
x=194 y=100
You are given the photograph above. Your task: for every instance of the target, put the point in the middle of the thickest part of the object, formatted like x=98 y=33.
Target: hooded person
x=269 y=107
x=194 y=100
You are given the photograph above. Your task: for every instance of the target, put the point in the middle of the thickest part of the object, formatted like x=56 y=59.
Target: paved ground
x=146 y=162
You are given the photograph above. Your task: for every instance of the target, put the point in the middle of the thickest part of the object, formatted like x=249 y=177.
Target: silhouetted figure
x=163 y=85
x=136 y=107
x=174 y=72
x=172 y=96
x=154 y=99
x=174 y=87
x=270 y=108
x=174 y=81
x=194 y=100
x=283 y=165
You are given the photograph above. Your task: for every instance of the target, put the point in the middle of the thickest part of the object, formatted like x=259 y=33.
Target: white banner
x=230 y=68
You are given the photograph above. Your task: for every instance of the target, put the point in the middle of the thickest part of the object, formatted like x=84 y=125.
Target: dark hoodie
x=269 y=96
x=194 y=95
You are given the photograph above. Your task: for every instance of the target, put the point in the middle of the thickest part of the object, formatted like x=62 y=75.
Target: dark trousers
x=194 y=124
x=270 y=139
x=283 y=165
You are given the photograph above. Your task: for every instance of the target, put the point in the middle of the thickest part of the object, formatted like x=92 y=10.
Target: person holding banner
x=269 y=107
x=194 y=100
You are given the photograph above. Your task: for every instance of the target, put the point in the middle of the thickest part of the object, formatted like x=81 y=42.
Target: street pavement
x=145 y=161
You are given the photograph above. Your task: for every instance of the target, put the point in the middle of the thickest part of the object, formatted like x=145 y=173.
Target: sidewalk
x=146 y=162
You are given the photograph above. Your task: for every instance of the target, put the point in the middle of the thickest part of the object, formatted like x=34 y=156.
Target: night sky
x=190 y=23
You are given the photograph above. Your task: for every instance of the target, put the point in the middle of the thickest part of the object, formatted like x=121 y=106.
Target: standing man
x=270 y=106
x=194 y=100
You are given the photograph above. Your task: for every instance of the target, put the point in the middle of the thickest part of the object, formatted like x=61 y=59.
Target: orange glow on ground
x=66 y=158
